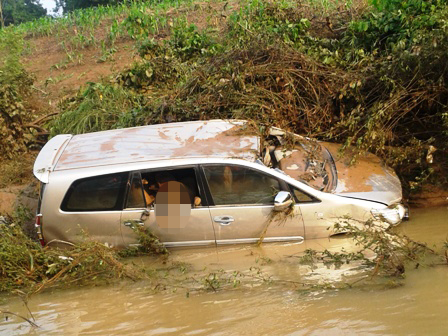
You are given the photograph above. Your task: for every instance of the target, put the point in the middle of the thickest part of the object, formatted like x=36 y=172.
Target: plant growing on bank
x=98 y=107
x=186 y=41
x=375 y=81
x=283 y=23
x=403 y=99
x=139 y=25
x=81 y=25
x=15 y=85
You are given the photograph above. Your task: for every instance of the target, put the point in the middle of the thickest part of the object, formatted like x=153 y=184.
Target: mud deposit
x=268 y=299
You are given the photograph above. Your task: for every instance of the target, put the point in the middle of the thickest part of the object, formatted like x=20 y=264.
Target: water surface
x=417 y=307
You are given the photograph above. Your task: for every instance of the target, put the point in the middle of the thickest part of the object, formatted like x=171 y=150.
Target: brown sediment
x=107 y=146
x=190 y=140
x=162 y=142
x=226 y=141
x=163 y=135
x=355 y=177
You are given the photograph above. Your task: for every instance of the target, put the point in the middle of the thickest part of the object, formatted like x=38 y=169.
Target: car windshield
x=301 y=158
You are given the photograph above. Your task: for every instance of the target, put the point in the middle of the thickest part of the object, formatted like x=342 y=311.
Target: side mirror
x=282 y=201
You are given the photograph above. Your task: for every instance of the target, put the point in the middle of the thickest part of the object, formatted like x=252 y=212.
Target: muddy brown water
x=417 y=307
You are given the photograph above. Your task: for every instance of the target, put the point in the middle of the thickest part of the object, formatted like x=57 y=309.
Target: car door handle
x=223 y=220
x=138 y=222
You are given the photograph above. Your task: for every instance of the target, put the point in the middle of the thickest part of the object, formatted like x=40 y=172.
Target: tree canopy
x=18 y=11
x=71 y=5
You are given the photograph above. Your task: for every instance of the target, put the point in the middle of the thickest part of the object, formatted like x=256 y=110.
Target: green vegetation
x=25 y=264
x=15 y=85
x=379 y=252
x=98 y=107
x=18 y=11
x=377 y=82
x=81 y=27
x=372 y=78
x=71 y=5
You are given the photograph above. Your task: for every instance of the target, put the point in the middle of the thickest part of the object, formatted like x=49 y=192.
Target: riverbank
x=365 y=74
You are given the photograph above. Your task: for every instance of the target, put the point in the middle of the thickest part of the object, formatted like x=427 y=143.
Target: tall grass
x=100 y=107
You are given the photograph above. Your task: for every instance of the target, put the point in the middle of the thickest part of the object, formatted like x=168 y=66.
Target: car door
x=242 y=206
x=171 y=228
x=315 y=214
x=91 y=208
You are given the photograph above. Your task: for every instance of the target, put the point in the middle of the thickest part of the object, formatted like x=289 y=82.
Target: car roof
x=196 y=139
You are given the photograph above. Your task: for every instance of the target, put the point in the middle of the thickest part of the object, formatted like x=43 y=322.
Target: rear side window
x=99 y=193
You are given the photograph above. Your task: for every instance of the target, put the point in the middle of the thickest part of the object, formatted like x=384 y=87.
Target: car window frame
x=195 y=167
x=314 y=199
x=283 y=185
x=119 y=203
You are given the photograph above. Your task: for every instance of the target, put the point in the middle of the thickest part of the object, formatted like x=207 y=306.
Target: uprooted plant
x=380 y=253
x=277 y=218
x=25 y=264
x=148 y=243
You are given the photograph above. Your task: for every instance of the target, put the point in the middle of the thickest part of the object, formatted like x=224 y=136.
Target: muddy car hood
x=369 y=178
x=322 y=166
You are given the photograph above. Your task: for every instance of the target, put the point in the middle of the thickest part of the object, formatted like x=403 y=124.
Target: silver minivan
x=205 y=183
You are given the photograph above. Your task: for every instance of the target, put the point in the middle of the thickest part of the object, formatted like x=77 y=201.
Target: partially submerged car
x=205 y=182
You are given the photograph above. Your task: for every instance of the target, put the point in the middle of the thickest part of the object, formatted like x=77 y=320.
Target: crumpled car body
x=326 y=167
x=205 y=183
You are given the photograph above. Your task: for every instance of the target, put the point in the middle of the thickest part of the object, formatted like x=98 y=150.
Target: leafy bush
x=140 y=23
x=15 y=84
x=274 y=21
x=403 y=97
x=186 y=42
x=397 y=25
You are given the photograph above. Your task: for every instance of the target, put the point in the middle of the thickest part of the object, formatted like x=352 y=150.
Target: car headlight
x=392 y=214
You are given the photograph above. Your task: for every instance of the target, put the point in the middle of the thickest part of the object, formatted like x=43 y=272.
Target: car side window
x=237 y=185
x=300 y=196
x=154 y=180
x=98 y=193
